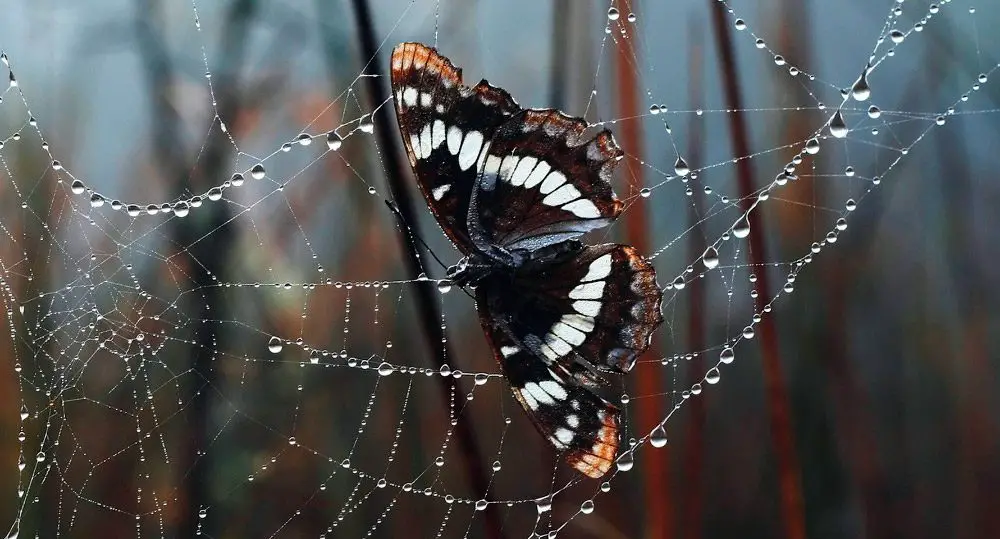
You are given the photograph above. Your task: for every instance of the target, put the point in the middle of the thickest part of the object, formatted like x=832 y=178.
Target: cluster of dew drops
x=182 y=208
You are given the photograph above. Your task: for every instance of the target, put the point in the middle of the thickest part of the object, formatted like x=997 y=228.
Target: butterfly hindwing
x=557 y=325
x=544 y=181
x=573 y=418
x=446 y=127
x=598 y=307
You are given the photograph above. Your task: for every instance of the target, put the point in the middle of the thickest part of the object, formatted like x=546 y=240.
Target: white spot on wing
x=454 y=139
x=415 y=145
x=537 y=175
x=439 y=191
x=437 y=134
x=471 y=145
x=409 y=96
x=573 y=421
x=583 y=208
x=492 y=165
x=425 y=141
x=587 y=307
x=548 y=352
x=508 y=351
x=524 y=167
x=563 y=435
x=439 y=108
x=568 y=333
x=538 y=393
x=425 y=99
x=587 y=290
x=482 y=155
x=529 y=401
x=555 y=389
x=559 y=346
x=552 y=181
x=598 y=269
x=507 y=166
x=579 y=321
x=560 y=196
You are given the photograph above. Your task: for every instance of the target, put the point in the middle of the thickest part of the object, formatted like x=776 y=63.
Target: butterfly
x=514 y=189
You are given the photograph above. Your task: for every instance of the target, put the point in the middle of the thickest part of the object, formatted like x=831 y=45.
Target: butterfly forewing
x=544 y=181
x=446 y=128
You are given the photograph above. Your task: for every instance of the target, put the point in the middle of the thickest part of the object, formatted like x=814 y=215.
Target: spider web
x=221 y=313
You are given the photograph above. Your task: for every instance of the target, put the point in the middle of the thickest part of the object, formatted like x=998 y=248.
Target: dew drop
x=861 y=91
x=626 y=461
x=236 y=180
x=896 y=36
x=481 y=505
x=274 y=345
x=681 y=167
x=481 y=378
x=333 y=141
x=258 y=172
x=304 y=139
x=587 y=507
x=837 y=126
x=712 y=376
x=727 y=356
x=181 y=209
x=384 y=369
x=444 y=286
x=77 y=187
x=658 y=438
x=742 y=227
x=645 y=192
x=740 y=24
x=710 y=258
x=215 y=193
x=543 y=504
x=613 y=14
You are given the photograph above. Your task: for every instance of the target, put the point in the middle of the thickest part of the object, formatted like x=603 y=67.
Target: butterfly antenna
x=409 y=231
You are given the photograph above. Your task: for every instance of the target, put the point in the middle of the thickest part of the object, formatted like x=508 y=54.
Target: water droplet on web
x=759 y=43
x=626 y=461
x=133 y=210
x=544 y=504
x=13 y=81
x=196 y=202
x=631 y=17
x=727 y=356
x=384 y=369
x=304 y=139
x=837 y=126
x=613 y=14
x=444 y=286
x=748 y=332
x=56 y=165
x=181 y=209
x=481 y=505
x=712 y=376
x=333 y=141
x=742 y=227
x=371 y=190
x=812 y=146
x=40 y=457
x=274 y=345
x=678 y=283
x=710 y=258
x=861 y=91
x=658 y=438
x=939 y=120
x=236 y=180
x=366 y=125
x=645 y=192
x=496 y=465
x=681 y=167
x=740 y=24
x=851 y=205
x=258 y=172
x=896 y=36
x=77 y=187
x=215 y=193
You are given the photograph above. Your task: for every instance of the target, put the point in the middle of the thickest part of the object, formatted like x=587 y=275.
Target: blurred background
x=200 y=346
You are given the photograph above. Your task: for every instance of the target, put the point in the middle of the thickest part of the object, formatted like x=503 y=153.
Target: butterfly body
x=515 y=189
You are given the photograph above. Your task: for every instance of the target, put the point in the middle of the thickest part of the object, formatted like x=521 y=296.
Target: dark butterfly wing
x=556 y=326
x=573 y=418
x=544 y=181
x=446 y=128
